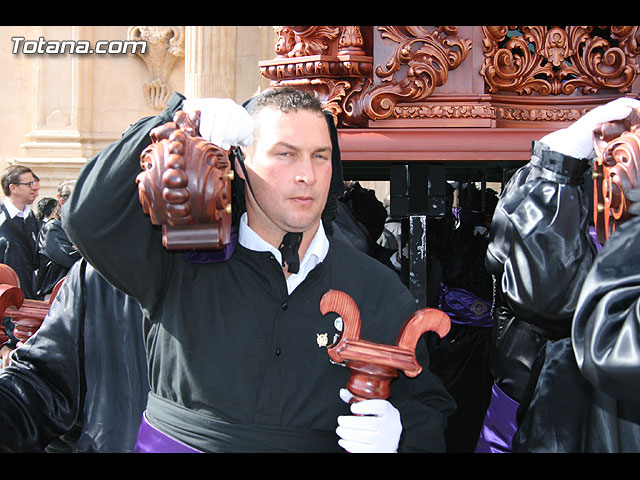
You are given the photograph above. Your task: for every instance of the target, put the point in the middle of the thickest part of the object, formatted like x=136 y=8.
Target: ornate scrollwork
x=185 y=186
x=559 y=60
x=301 y=41
x=427 y=57
x=165 y=45
x=616 y=171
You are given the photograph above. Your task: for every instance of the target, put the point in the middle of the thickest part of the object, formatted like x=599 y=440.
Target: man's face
x=25 y=191
x=289 y=167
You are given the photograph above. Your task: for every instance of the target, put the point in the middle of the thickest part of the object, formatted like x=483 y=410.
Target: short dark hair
x=11 y=175
x=46 y=207
x=285 y=99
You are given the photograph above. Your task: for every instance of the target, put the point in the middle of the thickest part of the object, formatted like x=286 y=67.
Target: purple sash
x=152 y=440
x=463 y=307
x=594 y=238
x=213 y=256
x=500 y=425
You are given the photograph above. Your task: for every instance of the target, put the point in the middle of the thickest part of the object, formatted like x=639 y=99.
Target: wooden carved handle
x=185 y=186
x=374 y=365
x=615 y=171
x=27 y=314
x=10 y=296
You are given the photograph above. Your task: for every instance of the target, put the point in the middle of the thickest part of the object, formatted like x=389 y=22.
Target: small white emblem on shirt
x=322 y=339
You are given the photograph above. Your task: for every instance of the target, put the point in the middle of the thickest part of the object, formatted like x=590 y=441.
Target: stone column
x=210 y=58
x=60 y=139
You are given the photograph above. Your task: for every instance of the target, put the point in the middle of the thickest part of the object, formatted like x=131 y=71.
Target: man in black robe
x=82 y=376
x=234 y=360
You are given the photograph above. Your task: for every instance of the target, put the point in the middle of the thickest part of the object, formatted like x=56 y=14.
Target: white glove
x=222 y=121
x=577 y=139
x=375 y=426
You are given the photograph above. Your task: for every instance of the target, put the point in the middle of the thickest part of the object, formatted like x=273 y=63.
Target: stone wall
x=61 y=108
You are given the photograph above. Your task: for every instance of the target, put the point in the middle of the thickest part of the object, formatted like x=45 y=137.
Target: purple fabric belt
x=463 y=307
x=152 y=440
x=500 y=425
x=213 y=256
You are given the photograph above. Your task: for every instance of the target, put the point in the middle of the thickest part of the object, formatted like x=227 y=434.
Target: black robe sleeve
x=84 y=367
x=104 y=218
x=606 y=327
x=540 y=250
x=587 y=398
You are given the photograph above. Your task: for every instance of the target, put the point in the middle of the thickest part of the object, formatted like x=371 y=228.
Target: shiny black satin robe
x=84 y=368
x=550 y=277
x=587 y=398
x=539 y=253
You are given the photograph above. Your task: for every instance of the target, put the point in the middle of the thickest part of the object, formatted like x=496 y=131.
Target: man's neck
x=274 y=236
x=19 y=206
x=271 y=237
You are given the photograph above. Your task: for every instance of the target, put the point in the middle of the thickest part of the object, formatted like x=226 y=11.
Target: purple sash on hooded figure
x=499 y=426
x=152 y=440
x=594 y=238
x=465 y=308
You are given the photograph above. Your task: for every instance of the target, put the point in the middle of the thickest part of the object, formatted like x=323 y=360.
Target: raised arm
x=104 y=218
x=540 y=251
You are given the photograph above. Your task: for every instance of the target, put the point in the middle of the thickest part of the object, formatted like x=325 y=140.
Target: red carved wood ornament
x=185 y=186
x=616 y=171
x=26 y=314
x=372 y=365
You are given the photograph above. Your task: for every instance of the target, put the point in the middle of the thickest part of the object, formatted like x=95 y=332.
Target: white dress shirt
x=315 y=254
x=13 y=210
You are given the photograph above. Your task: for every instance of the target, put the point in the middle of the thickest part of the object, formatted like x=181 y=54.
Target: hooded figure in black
x=236 y=358
x=540 y=254
x=461 y=358
x=82 y=376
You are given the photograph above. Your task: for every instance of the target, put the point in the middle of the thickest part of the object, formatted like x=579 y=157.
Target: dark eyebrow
x=293 y=147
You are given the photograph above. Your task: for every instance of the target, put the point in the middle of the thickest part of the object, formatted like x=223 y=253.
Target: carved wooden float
x=185 y=186
x=421 y=105
x=616 y=171
x=26 y=314
x=372 y=365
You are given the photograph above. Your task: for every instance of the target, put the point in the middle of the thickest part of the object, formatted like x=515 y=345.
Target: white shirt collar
x=316 y=253
x=13 y=210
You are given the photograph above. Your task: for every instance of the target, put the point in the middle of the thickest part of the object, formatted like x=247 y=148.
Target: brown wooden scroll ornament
x=616 y=171
x=373 y=366
x=185 y=186
x=27 y=314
